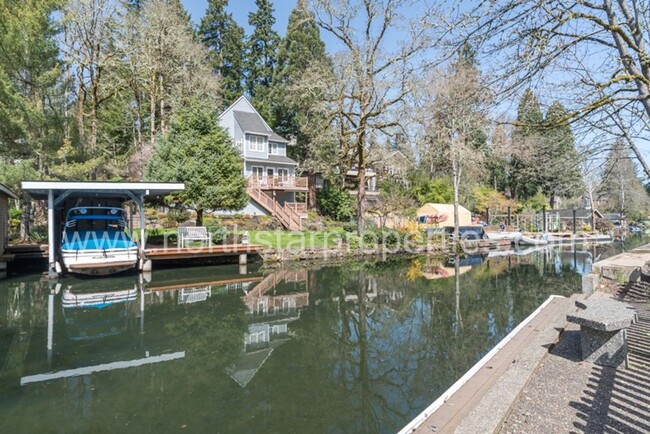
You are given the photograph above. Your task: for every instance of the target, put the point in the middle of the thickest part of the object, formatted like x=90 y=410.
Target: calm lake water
x=355 y=348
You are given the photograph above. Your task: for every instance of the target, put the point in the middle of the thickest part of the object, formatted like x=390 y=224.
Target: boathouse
x=5 y=195
x=63 y=195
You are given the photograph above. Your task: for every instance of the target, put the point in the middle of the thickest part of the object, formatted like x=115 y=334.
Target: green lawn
x=284 y=239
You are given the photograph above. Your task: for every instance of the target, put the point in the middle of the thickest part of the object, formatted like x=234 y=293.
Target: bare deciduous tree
x=372 y=81
x=594 y=54
x=453 y=111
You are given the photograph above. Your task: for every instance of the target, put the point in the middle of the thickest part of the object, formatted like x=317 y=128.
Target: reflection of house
x=432 y=272
x=272 y=181
x=194 y=295
x=271 y=310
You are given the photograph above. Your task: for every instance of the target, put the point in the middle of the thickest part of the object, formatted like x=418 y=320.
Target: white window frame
x=256 y=145
x=283 y=173
x=261 y=169
x=274 y=148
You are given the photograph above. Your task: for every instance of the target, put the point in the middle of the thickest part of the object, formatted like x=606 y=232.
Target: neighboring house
x=272 y=177
x=394 y=165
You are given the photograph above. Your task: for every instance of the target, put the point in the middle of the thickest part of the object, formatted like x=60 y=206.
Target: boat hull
x=497 y=236
x=528 y=241
x=99 y=262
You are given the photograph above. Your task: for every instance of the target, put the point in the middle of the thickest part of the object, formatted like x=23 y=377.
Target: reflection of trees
x=373 y=346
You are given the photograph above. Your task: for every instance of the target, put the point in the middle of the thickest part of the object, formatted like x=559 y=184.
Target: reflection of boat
x=95 y=241
x=530 y=241
x=92 y=315
x=497 y=236
x=97 y=299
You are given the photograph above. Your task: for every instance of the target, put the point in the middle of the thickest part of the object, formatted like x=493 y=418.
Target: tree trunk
x=311 y=193
x=361 y=202
x=94 y=128
x=456 y=181
x=152 y=115
x=199 y=217
x=161 y=115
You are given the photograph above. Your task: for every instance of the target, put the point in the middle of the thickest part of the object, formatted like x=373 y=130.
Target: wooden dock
x=177 y=253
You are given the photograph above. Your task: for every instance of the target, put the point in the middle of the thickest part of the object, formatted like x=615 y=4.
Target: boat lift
x=56 y=193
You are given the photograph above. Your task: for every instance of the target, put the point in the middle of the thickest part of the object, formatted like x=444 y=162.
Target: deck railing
x=278 y=182
x=299 y=207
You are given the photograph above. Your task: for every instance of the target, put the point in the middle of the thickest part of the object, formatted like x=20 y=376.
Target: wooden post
x=51 y=237
x=574 y=221
x=509 y=216
x=544 y=219
x=487 y=215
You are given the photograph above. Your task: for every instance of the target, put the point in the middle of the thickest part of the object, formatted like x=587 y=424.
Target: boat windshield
x=96 y=219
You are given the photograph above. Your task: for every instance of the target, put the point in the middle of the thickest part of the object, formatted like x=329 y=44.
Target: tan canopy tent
x=437 y=210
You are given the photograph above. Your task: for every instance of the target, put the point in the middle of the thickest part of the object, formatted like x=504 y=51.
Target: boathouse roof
x=7 y=192
x=40 y=189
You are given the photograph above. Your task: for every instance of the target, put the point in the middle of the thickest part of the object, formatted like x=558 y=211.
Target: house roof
x=253 y=123
x=279 y=159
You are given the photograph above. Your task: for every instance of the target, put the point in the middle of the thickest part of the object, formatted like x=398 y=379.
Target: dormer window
x=256 y=143
x=273 y=149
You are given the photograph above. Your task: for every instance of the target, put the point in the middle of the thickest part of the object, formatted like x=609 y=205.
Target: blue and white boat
x=95 y=241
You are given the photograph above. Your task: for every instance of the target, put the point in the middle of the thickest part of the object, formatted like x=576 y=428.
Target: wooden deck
x=175 y=253
x=252 y=279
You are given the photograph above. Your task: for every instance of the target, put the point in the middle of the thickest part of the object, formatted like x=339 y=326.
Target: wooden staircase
x=288 y=216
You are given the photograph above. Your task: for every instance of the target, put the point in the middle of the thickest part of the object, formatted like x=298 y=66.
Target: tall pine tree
x=560 y=175
x=301 y=48
x=225 y=39
x=262 y=57
x=523 y=168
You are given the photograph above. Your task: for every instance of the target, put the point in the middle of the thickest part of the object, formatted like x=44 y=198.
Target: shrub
x=336 y=203
x=381 y=236
x=15 y=216
x=178 y=215
x=218 y=233
x=38 y=233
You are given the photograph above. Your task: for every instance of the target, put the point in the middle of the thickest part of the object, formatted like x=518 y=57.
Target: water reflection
x=361 y=347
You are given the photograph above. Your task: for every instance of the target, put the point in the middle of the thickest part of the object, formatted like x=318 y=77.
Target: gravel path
x=567 y=395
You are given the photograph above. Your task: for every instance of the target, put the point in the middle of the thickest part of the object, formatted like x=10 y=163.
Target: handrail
x=277 y=182
x=289 y=218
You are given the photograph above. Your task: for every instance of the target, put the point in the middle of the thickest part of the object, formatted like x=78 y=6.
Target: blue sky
x=240 y=10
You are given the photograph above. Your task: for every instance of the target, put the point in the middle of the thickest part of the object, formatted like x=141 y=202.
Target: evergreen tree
x=198 y=152
x=30 y=95
x=262 y=57
x=524 y=170
x=225 y=38
x=301 y=48
x=558 y=157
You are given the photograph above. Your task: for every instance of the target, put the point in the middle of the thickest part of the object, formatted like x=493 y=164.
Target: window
x=256 y=143
x=257 y=171
x=284 y=173
x=273 y=149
